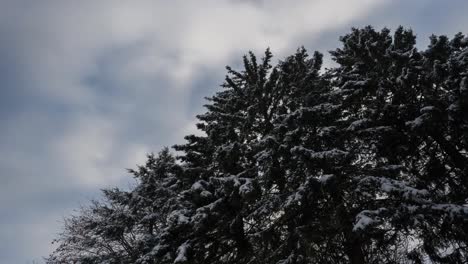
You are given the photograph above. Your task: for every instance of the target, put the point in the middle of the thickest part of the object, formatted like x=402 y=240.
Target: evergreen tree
x=128 y=226
x=366 y=162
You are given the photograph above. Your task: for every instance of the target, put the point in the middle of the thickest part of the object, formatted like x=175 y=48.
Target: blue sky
x=89 y=87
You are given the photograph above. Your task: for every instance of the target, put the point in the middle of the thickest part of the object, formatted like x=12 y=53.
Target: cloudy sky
x=89 y=87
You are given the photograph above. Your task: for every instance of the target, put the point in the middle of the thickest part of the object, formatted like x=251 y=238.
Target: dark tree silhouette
x=365 y=162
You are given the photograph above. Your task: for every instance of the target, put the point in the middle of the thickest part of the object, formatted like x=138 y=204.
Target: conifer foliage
x=365 y=162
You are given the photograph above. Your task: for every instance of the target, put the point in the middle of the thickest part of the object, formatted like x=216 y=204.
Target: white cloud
x=200 y=34
x=85 y=151
x=62 y=41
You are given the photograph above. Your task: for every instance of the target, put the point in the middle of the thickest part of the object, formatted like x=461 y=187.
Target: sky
x=88 y=88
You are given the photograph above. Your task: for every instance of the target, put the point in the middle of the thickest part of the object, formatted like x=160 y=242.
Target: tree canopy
x=365 y=162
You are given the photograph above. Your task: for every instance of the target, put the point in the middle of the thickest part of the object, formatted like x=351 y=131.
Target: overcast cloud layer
x=89 y=87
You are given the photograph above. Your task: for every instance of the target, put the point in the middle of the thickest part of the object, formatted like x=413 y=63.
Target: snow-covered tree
x=365 y=162
x=133 y=226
